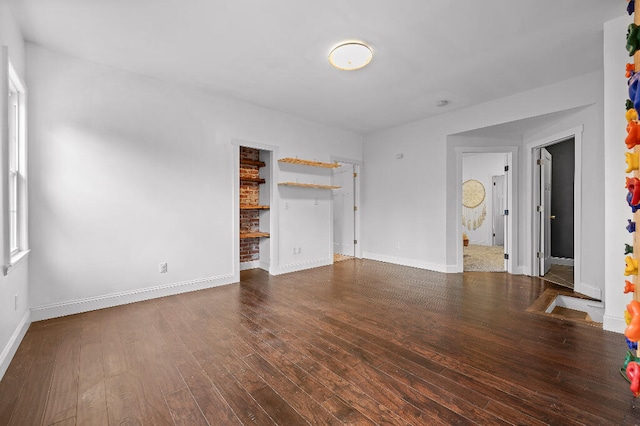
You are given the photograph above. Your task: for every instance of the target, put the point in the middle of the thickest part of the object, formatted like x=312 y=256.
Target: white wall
x=13 y=322
x=411 y=203
x=127 y=172
x=616 y=209
x=482 y=167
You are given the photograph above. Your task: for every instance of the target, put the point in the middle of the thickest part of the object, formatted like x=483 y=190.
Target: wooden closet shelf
x=309 y=163
x=252 y=207
x=309 y=185
x=252 y=163
x=251 y=179
x=254 y=235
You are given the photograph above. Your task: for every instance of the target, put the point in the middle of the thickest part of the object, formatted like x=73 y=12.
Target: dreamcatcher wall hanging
x=474 y=210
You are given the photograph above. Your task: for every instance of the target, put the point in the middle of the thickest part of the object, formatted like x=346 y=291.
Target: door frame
x=274 y=257
x=357 y=166
x=511 y=180
x=532 y=268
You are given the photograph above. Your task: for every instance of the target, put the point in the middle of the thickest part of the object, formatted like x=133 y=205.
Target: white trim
x=10 y=260
x=615 y=324
x=12 y=345
x=244 y=266
x=71 y=307
x=531 y=264
x=4 y=154
x=16 y=260
x=565 y=261
x=511 y=181
x=301 y=266
x=407 y=262
x=357 y=167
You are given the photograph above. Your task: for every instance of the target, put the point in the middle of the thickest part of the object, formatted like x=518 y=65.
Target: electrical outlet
x=163 y=267
x=397 y=245
x=299 y=250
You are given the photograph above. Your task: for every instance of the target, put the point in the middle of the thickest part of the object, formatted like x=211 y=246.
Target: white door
x=498 y=208
x=545 y=211
x=344 y=210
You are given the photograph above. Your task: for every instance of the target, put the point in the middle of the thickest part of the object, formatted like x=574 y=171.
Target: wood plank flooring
x=359 y=342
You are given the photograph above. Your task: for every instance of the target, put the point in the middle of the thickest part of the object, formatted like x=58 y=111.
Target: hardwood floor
x=359 y=342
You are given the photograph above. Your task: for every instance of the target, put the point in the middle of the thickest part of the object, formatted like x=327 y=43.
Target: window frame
x=14 y=168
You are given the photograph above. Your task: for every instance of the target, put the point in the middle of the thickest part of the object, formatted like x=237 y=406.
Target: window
x=15 y=178
x=14 y=157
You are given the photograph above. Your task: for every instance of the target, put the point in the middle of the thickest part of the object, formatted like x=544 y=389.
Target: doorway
x=484 y=211
x=255 y=171
x=555 y=211
x=345 y=211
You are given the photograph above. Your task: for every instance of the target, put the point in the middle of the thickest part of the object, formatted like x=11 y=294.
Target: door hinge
x=506 y=212
x=355 y=175
x=355 y=241
x=539 y=255
x=539 y=209
x=540 y=162
x=355 y=208
x=506 y=256
x=506 y=168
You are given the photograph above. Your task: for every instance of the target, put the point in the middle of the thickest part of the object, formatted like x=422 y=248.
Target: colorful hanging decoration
x=474 y=209
x=633 y=39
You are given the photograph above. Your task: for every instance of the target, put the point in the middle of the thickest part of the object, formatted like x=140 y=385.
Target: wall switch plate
x=16 y=302
x=163 y=267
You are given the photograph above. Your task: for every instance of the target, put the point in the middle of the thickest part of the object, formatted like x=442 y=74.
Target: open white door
x=344 y=210
x=545 y=211
x=498 y=209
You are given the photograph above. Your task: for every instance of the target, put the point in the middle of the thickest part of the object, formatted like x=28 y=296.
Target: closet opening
x=255 y=200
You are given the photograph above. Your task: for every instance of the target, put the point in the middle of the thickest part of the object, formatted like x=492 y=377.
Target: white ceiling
x=274 y=53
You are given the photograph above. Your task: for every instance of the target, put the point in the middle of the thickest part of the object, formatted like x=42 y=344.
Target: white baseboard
x=562 y=261
x=615 y=324
x=55 y=310
x=301 y=266
x=12 y=345
x=249 y=265
x=406 y=262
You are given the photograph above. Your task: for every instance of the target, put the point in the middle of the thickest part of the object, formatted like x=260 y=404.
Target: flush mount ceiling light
x=350 y=56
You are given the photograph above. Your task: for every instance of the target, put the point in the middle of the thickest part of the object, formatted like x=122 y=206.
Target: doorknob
x=553 y=216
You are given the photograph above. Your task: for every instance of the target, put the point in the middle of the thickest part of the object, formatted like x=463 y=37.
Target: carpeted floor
x=340 y=257
x=483 y=258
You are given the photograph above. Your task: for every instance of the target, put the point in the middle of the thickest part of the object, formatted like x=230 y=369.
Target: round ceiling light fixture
x=350 y=56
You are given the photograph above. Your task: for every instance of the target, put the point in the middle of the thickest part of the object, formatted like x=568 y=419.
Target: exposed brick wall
x=249 y=195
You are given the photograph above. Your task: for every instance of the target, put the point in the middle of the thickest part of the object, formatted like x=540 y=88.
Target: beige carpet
x=483 y=258
x=341 y=257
